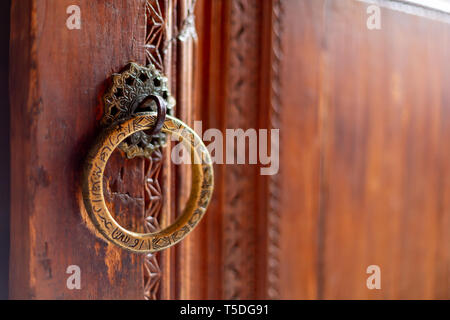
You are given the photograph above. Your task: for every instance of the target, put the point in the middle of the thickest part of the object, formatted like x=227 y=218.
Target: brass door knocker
x=140 y=86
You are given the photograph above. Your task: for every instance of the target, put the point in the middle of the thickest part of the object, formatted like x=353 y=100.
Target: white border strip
x=422 y=8
x=439 y=5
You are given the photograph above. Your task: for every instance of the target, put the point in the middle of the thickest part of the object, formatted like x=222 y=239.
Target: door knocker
x=136 y=122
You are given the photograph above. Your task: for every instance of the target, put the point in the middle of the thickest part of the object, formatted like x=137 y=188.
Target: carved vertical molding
x=170 y=29
x=274 y=187
x=242 y=209
x=155 y=47
x=155 y=39
x=153 y=204
x=241 y=111
x=241 y=58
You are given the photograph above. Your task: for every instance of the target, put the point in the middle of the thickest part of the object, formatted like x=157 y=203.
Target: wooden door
x=364 y=170
x=58 y=76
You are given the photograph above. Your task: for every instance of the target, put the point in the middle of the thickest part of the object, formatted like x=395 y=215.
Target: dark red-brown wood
x=365 y=143
x=57 y=77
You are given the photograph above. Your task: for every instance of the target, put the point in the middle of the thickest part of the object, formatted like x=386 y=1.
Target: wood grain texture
x=57 y=77
x=301 y=92
x=369 y=181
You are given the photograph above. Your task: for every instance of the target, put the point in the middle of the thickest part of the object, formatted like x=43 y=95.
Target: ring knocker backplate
x=201 y=190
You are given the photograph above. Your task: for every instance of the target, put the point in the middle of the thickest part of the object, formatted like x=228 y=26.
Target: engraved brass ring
x=92 y=188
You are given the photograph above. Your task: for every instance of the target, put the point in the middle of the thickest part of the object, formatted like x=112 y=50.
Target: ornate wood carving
x=239 y=211
x=273 y=207
x=153 y=204
x=241 y=89
x=154 y=48
x=155 y=40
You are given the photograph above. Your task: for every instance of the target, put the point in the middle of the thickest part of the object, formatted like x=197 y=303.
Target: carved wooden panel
x=239 y=87
x=239 y=185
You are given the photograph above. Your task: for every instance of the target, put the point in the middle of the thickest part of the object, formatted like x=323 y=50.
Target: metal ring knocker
x=161 y=107
x=108 y=141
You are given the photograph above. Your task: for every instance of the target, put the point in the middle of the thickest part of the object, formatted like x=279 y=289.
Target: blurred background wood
x=366 y=144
